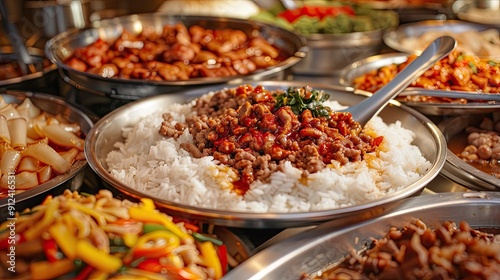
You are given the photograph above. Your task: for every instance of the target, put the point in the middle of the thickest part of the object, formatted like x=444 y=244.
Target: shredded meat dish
x=244 y=129
x=177 y=53
x=418 y=252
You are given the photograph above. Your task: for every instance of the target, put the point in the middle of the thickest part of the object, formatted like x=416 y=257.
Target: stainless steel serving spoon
x=371 y=106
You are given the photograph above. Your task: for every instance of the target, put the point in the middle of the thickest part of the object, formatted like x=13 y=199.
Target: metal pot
x=327 y=244
x=54 y=17
x=59 y=48
x=44 y=80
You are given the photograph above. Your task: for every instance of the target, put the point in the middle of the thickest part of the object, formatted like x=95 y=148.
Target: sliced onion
x=28 y=164
x=63 y=138
x=3 y=103
x=10 y=160
x=70 y=155
x=28 y=106
x=9 y=112
x=4 y=130
x=47 y=155
x=44 y=174
x=18 y=132
x=26 y=180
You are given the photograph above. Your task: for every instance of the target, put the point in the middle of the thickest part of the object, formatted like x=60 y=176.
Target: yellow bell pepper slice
x=156 y=244
x=50 y=270
x=147 y=215
x=64 y=238
x=48 y=217
x=98 y=259
x=210 y=258
x=130 y=239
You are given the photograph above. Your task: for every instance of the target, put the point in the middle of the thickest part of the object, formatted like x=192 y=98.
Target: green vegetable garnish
x=301 y=99
x=473 y=67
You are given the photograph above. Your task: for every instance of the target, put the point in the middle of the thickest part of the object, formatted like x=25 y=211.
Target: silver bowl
x=395 y=37
x=60 y=47
x=456 y=169
x=43 y=78
x=363 y=66
x=330 y=53
x=107 y=131
x=313 y=250
x=70 y=180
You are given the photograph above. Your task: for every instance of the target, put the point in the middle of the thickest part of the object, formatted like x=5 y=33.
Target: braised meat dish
x=177 y=53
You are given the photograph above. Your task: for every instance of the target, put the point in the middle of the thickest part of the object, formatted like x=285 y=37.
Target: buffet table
x=244 y=242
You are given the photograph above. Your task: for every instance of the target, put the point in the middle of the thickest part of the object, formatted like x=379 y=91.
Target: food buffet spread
x=191 y=143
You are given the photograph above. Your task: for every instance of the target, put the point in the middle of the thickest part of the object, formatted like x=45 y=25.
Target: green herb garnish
x=305 y=98
x=473 y=67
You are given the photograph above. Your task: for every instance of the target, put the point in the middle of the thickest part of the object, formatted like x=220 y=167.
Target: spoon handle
x=366 y=109
x=24 y=59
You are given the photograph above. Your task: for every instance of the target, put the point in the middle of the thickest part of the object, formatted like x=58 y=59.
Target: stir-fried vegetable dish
x=76 y=236
x=35 y=146
x=329 y=17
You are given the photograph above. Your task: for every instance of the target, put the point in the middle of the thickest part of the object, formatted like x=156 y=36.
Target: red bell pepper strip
x=222 y=254
x=84 y=273
x=6 y=242
x=51 y=250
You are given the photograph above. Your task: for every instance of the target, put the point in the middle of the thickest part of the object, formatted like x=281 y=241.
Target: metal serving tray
x=313 y=250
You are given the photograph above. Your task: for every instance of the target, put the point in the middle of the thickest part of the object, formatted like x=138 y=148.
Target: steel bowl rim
x=305 y=240
x=34 y=52
x=109 y=23
x=300 y=217
x=60 y=179
x=389 y=37
x=457 y=169
x=344 y=81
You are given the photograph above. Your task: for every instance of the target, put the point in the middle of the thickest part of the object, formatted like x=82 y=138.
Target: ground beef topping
x=246 y=129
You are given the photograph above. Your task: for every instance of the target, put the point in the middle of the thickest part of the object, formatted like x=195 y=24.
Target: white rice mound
x=157 y=166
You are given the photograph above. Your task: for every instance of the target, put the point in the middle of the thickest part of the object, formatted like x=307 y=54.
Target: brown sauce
x=457 y=144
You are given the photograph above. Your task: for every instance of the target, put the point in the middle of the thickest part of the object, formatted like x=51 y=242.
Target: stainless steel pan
x=107 y=131
x=59 y=48
x=313 y=250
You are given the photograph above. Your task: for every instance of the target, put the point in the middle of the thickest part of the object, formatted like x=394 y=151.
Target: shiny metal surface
x=365 y=110
x=70 y=180
x=313 y=250
x=40 y=78
x=330 y=53
x=108 y=130
x=358 y=68
x=59 y=48
x=456 y=169
x=393 y=37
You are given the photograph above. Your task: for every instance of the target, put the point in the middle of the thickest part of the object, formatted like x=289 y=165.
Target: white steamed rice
x=153 y=164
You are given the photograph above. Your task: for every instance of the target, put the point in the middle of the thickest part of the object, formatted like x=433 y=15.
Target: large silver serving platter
x=327 y=244
x=72 y=179
x=456 y=169
x=108 y=130
x=60 y=47
x=363 y=66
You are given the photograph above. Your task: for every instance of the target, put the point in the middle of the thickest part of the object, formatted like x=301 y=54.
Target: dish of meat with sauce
x=473 y=150
x=141 y=55
x=250 y=149
x=455 y=74
x=177 y=53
